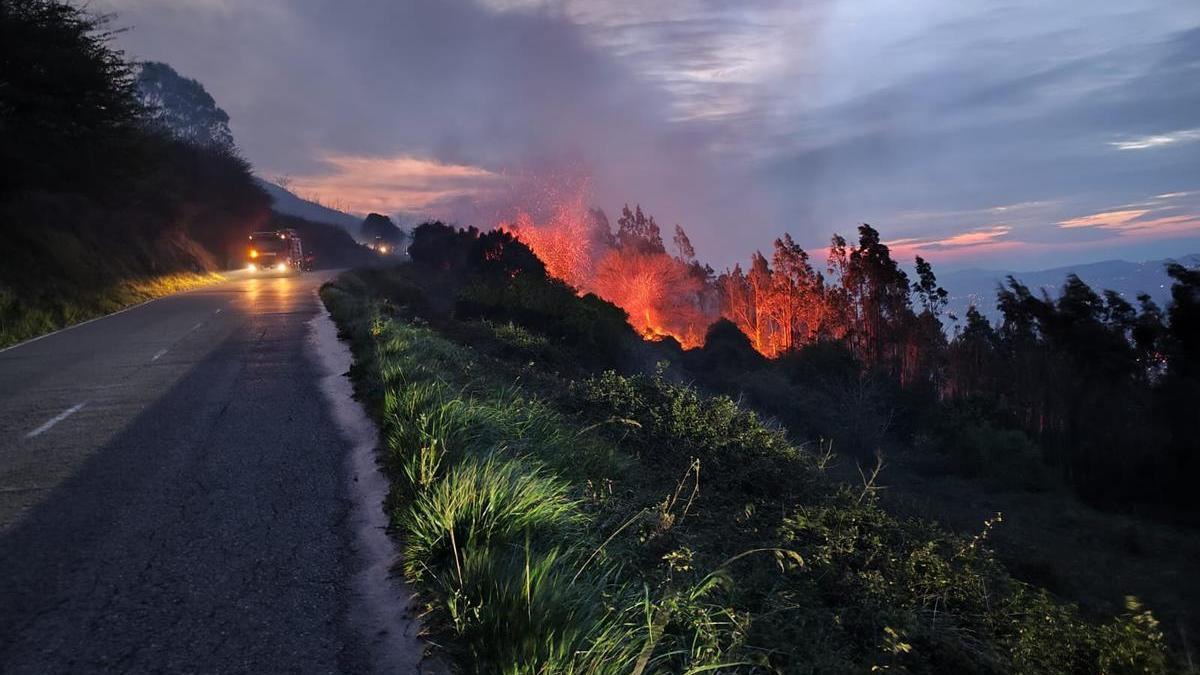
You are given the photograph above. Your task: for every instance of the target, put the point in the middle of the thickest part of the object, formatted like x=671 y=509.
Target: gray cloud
x=953 y=139
x=738 y=119
x=524 y=93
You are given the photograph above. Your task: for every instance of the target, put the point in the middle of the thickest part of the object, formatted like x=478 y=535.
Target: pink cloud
x=360 y=184
x=1107 y=220
x=964 y=244
x=1164 y=226
x=1146 y=223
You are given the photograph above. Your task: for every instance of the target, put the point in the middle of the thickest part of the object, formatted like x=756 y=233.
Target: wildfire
x=564 y=246
x=780 y=304
x=657 y=293
x=660 y=293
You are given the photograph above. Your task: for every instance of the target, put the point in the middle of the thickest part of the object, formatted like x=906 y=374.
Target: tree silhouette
x=67 y=105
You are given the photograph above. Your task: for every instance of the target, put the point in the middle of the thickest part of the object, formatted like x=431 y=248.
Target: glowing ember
x=564 y=245
x=657 y=292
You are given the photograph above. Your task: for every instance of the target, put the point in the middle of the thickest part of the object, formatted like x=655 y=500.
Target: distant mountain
x=978 y=287
x=288 y=203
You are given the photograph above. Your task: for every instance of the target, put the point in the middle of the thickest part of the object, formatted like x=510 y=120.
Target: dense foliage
x=67 y=101
x=1100 y=385
x=378 y=228
x=581 y=520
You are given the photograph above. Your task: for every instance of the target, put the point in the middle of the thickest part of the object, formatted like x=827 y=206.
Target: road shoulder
x=383 y=608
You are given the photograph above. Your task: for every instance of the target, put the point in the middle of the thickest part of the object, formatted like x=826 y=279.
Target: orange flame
x=659 y=293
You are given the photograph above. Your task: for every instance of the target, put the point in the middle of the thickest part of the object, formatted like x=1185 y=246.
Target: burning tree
x=662 y=295
x=781 y=303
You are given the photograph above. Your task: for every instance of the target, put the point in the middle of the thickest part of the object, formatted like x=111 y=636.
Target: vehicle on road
x=279 y=251
x=380 y=246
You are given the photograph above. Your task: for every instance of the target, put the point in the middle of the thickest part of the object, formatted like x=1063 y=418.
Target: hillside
x=571 y=504
x=287 y=203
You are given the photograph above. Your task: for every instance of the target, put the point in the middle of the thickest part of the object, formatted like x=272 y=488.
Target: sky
x=1014 y=134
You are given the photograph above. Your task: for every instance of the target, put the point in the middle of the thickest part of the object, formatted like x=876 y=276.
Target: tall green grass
x=632 y=525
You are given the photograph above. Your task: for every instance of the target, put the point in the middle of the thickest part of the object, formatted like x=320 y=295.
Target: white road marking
x=218 y=311
x=198 y=324
x=158 y=355
x=56 y=419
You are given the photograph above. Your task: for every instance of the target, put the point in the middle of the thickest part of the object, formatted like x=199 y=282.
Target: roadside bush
x=596 y=331
x=674 y=425
x=512 y=342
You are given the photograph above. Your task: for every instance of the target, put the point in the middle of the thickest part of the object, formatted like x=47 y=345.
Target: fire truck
x=279 y=251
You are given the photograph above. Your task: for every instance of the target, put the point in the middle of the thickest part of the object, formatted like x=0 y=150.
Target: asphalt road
x=173 y=493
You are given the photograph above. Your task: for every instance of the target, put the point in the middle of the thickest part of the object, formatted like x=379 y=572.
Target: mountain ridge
x=978 y=286
x=287 y=202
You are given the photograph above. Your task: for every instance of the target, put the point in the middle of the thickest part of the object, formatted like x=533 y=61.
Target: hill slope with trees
x=571 y=503
x=120 y=183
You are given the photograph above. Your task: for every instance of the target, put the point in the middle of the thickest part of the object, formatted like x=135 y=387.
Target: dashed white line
x=217 y=311
x=198 y=324
x=56 y=419
x=158 y=355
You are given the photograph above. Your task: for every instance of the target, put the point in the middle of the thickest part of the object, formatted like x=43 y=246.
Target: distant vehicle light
x=281 y=267
x=281 y=236
x=383 y=249
x=252 y=267
x=253 y=253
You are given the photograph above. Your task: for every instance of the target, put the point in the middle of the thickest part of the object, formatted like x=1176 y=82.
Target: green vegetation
x=563 y=516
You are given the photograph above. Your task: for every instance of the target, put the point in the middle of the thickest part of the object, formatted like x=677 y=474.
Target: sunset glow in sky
x=1012 y=133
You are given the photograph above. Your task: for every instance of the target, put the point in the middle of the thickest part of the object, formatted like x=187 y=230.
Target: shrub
x=976 y=448
x=481 y=505
x=596 y=331
x=674 y=424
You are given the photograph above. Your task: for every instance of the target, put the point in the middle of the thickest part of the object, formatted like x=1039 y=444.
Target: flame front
x=779 y=304
x=662 y=294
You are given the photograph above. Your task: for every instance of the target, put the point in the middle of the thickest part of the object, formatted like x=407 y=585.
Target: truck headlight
x=281 y=267
x=252 y=267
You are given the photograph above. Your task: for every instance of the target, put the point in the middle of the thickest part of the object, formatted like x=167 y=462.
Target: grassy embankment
x=627 y=524
x=21 y=320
